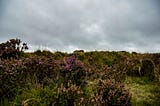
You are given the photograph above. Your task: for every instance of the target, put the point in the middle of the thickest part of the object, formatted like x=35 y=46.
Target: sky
x=68 y=25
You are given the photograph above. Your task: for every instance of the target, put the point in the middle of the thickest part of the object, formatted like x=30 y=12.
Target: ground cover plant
x=96 y=78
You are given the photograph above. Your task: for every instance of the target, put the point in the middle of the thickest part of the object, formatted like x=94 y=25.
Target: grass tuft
x=144 y=92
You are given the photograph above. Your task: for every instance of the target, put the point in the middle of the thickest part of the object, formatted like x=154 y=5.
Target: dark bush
x=42 y=69
x=147 y=69
x=17 y=74
x=11 y=79
x=12 y=48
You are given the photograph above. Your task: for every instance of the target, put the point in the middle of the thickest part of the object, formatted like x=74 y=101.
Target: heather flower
x=74 y=70
x=72 y=63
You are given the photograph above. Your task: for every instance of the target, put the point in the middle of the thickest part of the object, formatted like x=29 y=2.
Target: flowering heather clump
x=74 y=70
x=31 y=79
x=110 y=93
x=72 y=63
x=15 y=74
x=72 y=95
x=10 y=77
x=42 y=68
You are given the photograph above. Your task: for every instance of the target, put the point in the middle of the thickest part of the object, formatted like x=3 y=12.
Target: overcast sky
x=67 y=25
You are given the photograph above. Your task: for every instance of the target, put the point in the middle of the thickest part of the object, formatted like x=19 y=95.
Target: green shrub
x=36 y=97
x=44 y=53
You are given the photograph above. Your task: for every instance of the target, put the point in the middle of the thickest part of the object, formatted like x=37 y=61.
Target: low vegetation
x=97 y=78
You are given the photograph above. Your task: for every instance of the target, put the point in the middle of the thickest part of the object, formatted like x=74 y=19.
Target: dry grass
x=144 y=92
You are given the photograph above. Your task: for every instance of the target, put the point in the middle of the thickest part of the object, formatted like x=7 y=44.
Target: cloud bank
x=66 y=25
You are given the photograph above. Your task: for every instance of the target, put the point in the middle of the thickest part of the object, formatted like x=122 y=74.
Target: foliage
x=70 y=95
x=110 y=93
x=12 y=48
x=80 y=78
x=144 y=91
x=43 y=53
x=73 y=70
x=16 y=74
x=36 y=97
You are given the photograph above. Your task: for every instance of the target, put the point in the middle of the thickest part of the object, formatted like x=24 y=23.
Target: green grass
x=36 y=97
x=144 y=92
x=5 y=102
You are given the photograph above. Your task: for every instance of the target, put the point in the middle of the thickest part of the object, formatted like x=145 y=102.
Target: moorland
x=95 y=78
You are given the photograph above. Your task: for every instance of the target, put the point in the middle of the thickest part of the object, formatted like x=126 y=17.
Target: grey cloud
x=83 y=24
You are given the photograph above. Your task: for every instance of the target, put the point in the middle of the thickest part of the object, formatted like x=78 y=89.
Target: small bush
x=73 y=70
x=10 y=78
x=110 y=93
x=70 y=95
x=12 y=48
x=147 y=69
x=44 y=53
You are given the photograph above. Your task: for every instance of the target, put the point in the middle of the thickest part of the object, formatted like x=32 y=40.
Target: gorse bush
x=12 y=48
